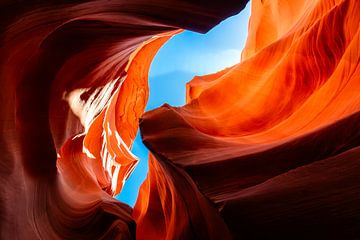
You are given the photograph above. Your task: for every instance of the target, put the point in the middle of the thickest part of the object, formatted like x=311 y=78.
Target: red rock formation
x=268 y=148
x=74 y=83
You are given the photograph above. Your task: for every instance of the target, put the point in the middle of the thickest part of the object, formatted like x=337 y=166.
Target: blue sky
x=184 y=56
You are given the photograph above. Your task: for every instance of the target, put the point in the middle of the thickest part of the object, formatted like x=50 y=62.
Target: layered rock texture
x=266 y=149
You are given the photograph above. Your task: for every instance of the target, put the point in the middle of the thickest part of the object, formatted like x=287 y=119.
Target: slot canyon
x=268 y=148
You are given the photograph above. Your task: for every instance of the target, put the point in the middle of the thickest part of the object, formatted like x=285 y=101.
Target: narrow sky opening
x=184 y=56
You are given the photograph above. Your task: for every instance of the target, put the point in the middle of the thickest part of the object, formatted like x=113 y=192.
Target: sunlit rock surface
x=272 y=141
x=268 y=148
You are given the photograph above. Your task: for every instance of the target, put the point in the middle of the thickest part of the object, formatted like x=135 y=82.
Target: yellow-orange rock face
x=272 y=141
